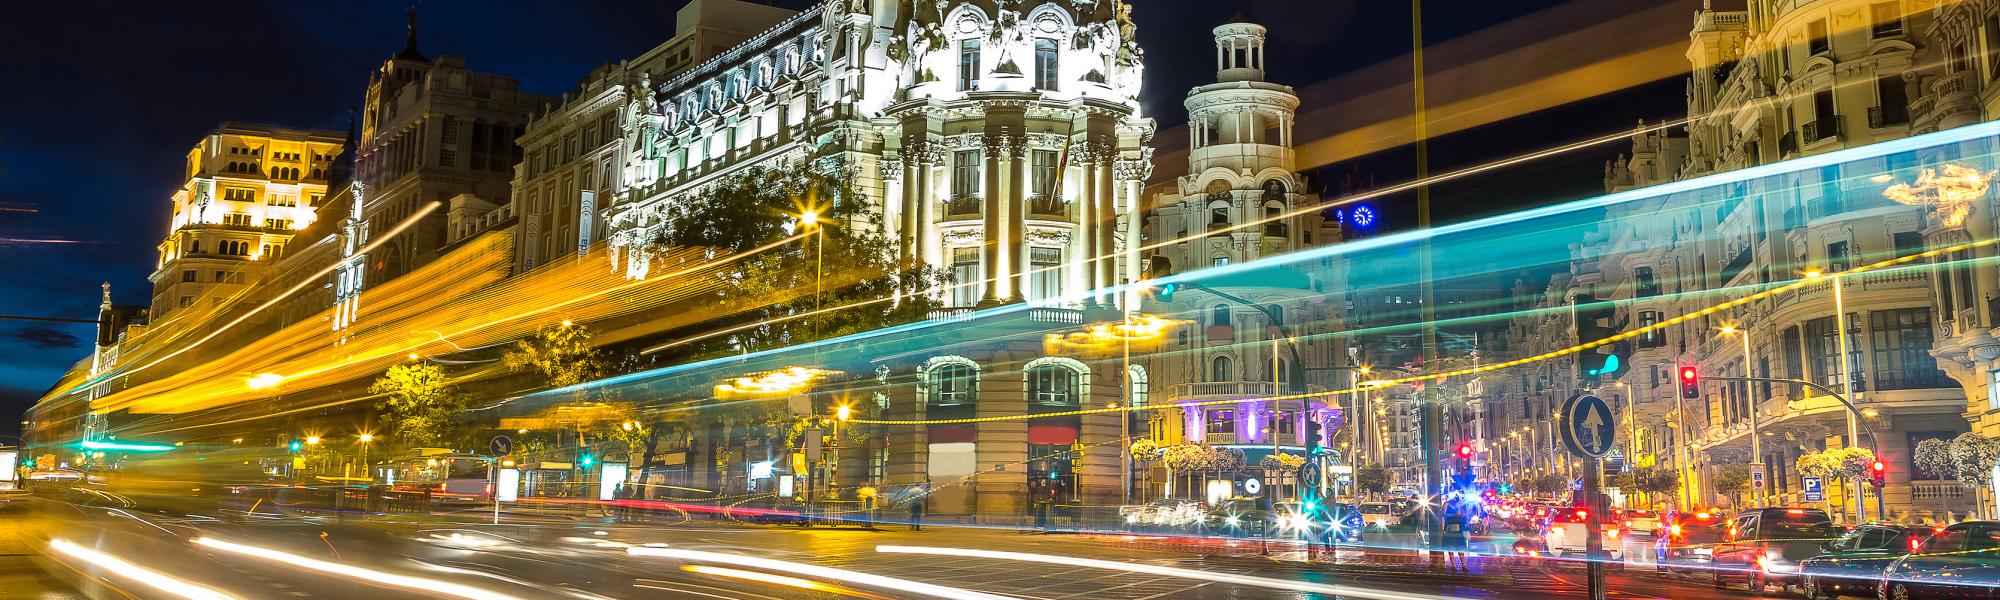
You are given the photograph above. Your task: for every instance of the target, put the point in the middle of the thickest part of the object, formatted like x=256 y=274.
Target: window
x=1908 y=243
x=1221 y=421
x=242 y=219
x=953 y=384
x=1652 y=338
x=1836 y=257
x=1045 y=64
x=1218 y=214
x=968 y=65
x=965 y=173
x=1044 y=168
x=449 y=131
x=1045 y=276
x=1823 y=349
x=1795 y=362
x=1219 y=315
x=1894 y=101
x=967 y=278
x=1902 y=344
x=1816 y=41
x=1993 y=389
x=1141 y=388
x=186 y=301
x=447 y=158
x=1220 y=261
x=1646 y=284
x=1052 y=385
x=189 y=277
x=277 y=223
x=1219 y=369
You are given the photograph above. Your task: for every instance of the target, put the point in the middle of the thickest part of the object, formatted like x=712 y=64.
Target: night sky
x=105 y=98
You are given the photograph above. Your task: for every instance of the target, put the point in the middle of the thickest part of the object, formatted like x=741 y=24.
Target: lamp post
x=810 y=219
x=1846 y=382
x=1750 y=391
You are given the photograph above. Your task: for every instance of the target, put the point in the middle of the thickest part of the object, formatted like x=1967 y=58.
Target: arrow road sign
x=501 y=445
x=1587 y=426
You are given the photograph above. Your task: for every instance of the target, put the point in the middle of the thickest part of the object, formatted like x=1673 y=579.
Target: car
x=1960 y=561
x=1568 y=536
x=1377 y=515
x=1852 y=565
x=1689 y=543
x=1638 y=535
x=1347 y=522
x=1764 y=546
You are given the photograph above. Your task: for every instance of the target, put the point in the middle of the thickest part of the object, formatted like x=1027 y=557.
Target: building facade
x=248 y=188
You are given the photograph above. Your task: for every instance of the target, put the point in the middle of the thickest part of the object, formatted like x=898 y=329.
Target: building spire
x=106 y=305
x=410 y=41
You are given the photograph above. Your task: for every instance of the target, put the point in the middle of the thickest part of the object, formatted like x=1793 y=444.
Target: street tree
x=1968 y=459
x=1732 y=481
x=1372 y=480
x=419 y=403
x=560 y=355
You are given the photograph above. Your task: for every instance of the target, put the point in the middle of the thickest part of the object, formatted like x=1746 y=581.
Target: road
x=274 y=554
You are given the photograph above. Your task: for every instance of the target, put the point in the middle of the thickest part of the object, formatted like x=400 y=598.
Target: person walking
x=917 y=506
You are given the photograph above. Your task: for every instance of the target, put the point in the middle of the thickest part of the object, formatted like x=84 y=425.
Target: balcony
x=1040 y=205
x=1826 y=127
x=1884 y=116
x=1276 y=230
x=1209 y=390
x=1788 y=144
x=962 y=205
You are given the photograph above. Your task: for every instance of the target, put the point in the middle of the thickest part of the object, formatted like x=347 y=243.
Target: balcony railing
x=1047 y=206
x=963 y=205
x=1937 y=490
x=1884 y=116
x=1827 y=126
x=1238 y=389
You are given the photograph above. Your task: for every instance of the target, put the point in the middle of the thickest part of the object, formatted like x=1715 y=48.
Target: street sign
x=501 y=445
x=1757 y=476
x=1814 y=491
x=1252 y=487
x=1587 y=427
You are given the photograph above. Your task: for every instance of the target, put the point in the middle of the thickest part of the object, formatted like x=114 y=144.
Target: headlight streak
x=902 y=585
x=770 y=578
x=1245 y=580
x=360 y=573
x=137 y=573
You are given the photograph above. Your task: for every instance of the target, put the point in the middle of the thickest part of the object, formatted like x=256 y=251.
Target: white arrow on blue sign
x=1588 y=427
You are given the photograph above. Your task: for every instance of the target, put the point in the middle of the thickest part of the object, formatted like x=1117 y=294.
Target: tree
x=1373 y=480
x=1836 y=463
x=1968 y=459
x=1732 y=480
x=559 y=354
x=848 y=264
x=419 y=403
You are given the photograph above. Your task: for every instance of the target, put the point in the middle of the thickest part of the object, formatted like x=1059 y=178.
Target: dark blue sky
x=104 y=98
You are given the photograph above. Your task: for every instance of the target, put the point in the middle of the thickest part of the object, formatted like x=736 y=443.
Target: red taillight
x=1703 y=516
x=1795 y=511
x=1582 y=514
x=1916 y=544
x=1676 y=529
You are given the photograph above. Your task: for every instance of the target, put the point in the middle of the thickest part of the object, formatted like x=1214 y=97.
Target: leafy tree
x=1732 y=480
x=1968 y=459
x=560 y=355
x=1836 y=463
x=1373 y=480
x=420 y=403
x=848 y=263
x=1551 y=483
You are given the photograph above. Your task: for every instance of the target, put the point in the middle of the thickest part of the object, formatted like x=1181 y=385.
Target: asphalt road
x=275 y=554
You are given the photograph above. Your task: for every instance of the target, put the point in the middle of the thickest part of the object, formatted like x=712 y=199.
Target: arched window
x=954 y=383
x=1277 y=314
x=1141 y=391
x=1045 y=64
x=1219 y=370
x=1219 y=315
x=1054 y=385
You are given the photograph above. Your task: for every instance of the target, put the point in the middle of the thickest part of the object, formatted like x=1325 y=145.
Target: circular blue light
x=1364 y=216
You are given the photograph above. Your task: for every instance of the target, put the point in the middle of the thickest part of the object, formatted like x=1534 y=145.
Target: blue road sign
x=1814 y=491
x=501 y=445
x=1587 y=426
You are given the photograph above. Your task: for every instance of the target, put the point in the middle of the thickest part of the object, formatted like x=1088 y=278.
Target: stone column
x=1017 y=192
x=1105 y=224
x=1001 y=487
x=909 y=236
x=930 y=162
x=1087 y=216
x=996 y=258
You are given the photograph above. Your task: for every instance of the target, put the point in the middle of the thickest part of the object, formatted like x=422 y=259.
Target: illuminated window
x=968 y=64
x=1053 y=385
x=965 y=173
x=1220 y=369
x=953 y=384
x=1220 y=421
x=1045 y=64
x=1045 y=275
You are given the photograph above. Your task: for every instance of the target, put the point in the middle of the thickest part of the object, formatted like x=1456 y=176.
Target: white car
x=1567 y=537
x=1377 y=515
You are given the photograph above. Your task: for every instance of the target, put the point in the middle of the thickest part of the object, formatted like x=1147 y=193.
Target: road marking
x=857 y=577
x=1248 y=580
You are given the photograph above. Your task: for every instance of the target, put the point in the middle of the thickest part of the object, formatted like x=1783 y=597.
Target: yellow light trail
x=809 y=570
x=1626 y=335
x=121 y=568
x=363 y=574
x=1151 y=569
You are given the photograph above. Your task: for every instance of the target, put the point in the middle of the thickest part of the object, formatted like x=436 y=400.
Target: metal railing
x=1826 y=126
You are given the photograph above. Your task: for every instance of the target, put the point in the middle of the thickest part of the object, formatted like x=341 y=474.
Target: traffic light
x=1596 y=320
x=1158 y=267
x=587 y=460
x=295 y=445
x=1690 y=380
x=1316 y=437
x=1878 y=474
x=1461 y=473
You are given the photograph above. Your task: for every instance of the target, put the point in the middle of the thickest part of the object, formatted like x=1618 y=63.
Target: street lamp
x=1846 y=379
x=1750 y=391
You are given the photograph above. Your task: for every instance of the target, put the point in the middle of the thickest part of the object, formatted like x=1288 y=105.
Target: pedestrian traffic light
x=1596 y=320
x=295 y=445
x=1690 y=380
x=1878 y=474
x=1156 y=268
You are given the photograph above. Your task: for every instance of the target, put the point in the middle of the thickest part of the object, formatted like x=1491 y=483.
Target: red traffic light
x=1688 y=374
x=1465 y=450
x=1878 y=467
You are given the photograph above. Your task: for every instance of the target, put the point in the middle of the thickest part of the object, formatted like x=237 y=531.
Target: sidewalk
x=22 y=573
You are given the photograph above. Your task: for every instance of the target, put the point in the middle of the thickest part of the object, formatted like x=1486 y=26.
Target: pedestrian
x=1454 y=542
x=917 y=507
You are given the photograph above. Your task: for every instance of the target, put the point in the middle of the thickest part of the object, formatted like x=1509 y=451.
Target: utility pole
x=1428 y=413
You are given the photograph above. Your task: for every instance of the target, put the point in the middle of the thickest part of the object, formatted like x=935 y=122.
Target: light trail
x=362 y=574
x=760 y=577
x=308 y=281
x=137 y=573
x=902 y=585
x=1091 y=563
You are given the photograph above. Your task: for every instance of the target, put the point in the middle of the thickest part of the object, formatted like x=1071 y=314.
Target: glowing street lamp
x=843 y=412
x=367 y=437
x=312 y=440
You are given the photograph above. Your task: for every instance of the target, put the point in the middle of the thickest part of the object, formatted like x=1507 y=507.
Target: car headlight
x=1232 y=521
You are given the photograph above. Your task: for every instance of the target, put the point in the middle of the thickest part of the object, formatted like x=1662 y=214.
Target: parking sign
x=1811 y=486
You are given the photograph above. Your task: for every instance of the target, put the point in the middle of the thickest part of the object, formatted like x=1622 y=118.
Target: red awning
x=1052 y=435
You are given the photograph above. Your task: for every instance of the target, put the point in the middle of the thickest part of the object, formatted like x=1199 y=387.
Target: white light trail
x=902 y=585
x=1263 y=582
x=137 y=573
x=361 y=573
